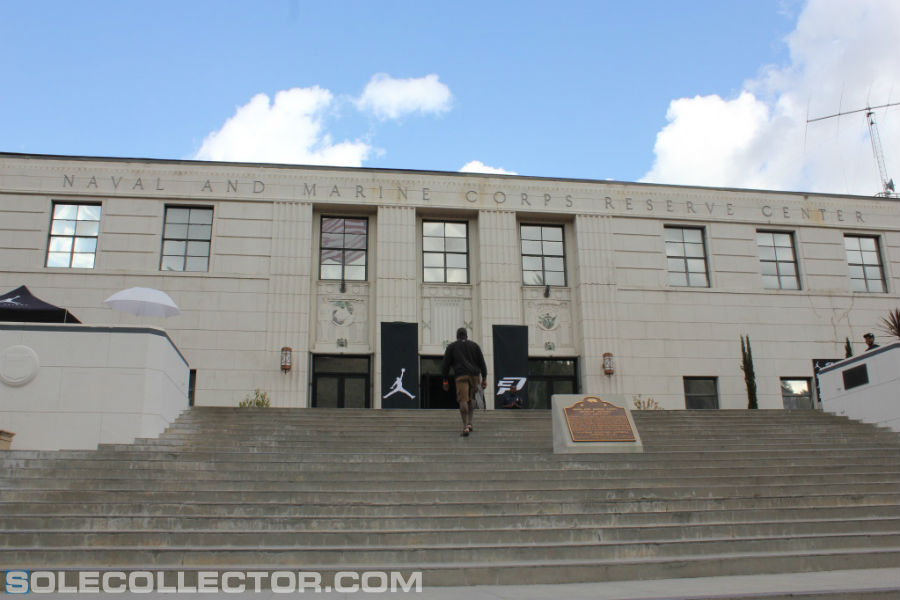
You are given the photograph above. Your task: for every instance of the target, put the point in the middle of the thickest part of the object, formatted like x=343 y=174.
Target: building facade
x=624 y=288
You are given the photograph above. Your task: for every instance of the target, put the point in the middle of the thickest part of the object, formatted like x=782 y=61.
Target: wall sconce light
x=609 y=365
x=287 y=359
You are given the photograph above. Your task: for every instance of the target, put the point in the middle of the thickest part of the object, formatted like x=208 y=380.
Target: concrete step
x=867 y=517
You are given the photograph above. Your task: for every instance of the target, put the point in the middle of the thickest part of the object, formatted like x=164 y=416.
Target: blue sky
x=694 y=92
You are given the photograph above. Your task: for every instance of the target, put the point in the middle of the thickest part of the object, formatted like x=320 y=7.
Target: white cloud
x=289 y=129
x=476 y=166
x=390 y=98
x=843 y=56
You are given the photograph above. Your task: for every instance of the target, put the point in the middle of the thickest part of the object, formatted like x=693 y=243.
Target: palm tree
x=891 y=323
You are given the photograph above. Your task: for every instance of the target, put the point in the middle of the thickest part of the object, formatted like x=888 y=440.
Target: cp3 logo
x=510 y=383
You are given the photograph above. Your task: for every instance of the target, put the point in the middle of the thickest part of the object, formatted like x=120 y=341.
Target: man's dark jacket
x=466 y=359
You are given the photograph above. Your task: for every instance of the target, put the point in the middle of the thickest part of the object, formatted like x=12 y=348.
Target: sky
x=689 y=92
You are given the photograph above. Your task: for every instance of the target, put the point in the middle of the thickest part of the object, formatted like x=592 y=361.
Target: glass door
x=341 y=382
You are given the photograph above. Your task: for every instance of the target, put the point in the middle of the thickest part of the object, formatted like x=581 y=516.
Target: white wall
x=76 y=386
x=876 y=402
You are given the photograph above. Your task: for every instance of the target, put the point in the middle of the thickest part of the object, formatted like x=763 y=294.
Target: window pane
x=65 y=211
x=433 y=275
x=356 y=258
x=332 y=257
x=356 y=226
x=789 y=269
x=58 y=259
x=456 y=230
x=354 y=241
x=332 y=240
x=867 y=244
x=86 y=244
x=790 y=283
x=457 y=261
x=88 y=212
x=531 y=247
x=433 y=260
x=784 y=253
x=177 y=215
x=532 y=263
x=869 y=258
x=769 y=268
x=766 y=253
x=530 y=232
x=858 y=285
x=695 y=250
x=553 y=234
x=175 y=231
x=174 y=247
x=674 y=249
x=433 y=244
x=856 y=272
x=533 y=277
x=457 y=276
x=355 y=273
x=456 y=245
x=693 y=236
x=783 y=240
x=674 y=234
x=199 y=232
x=553 y=249
x=433 y=229
x=63 y=228
x=87 y=228
x=876 y=285
x=201 y=216
x=332 y=225
x=851 y=243
x=83 y=261
x=196 y=263
x=198 y=248
x=330 y=272
x=554 y=264
x=696 y=265
x=554 y=278
x=764 y=238
x=698 y=280
x=60 y=244
x=172 y=263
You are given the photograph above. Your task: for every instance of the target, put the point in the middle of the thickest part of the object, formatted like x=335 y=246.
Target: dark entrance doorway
x=433 y=396
x=340 y=382
x=548 y=376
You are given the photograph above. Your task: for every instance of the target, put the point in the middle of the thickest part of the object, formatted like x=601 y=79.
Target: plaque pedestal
x=591 y=423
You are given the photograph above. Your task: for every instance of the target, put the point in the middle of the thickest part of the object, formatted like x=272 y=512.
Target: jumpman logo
x=398 y=386
x=12 y=301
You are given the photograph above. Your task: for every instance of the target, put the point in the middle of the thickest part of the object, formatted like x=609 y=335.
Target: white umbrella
x=143 y=302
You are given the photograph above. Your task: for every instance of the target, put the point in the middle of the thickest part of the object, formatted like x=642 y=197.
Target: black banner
x=399 y=365
x=511 y=366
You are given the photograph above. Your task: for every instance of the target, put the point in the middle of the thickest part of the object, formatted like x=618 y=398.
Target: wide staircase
x=715 y=493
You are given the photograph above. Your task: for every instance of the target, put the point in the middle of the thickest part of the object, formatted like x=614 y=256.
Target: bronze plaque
x=595 y=420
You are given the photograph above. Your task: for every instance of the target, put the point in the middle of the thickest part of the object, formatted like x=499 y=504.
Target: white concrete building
x=259 y=257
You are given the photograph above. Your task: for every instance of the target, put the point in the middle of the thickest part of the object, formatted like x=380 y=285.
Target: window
x=855 y=377
x=74 y=230
x=795 y=393
x=340 y=382
x=777 y=260
x=864 y=261
x=701 y=392
x=445 y=247
x=342 y=254
x=686 y=256
x=543 y=255
x=186 y=237
x=548 y=376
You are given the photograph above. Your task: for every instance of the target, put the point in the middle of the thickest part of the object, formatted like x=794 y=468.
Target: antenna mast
x=887 y=184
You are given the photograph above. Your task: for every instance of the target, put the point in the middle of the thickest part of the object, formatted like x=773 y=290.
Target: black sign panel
x=399 y=365
x=511 y=366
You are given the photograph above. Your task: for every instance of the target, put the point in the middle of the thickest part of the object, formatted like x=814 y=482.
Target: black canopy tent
x=20 y=305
